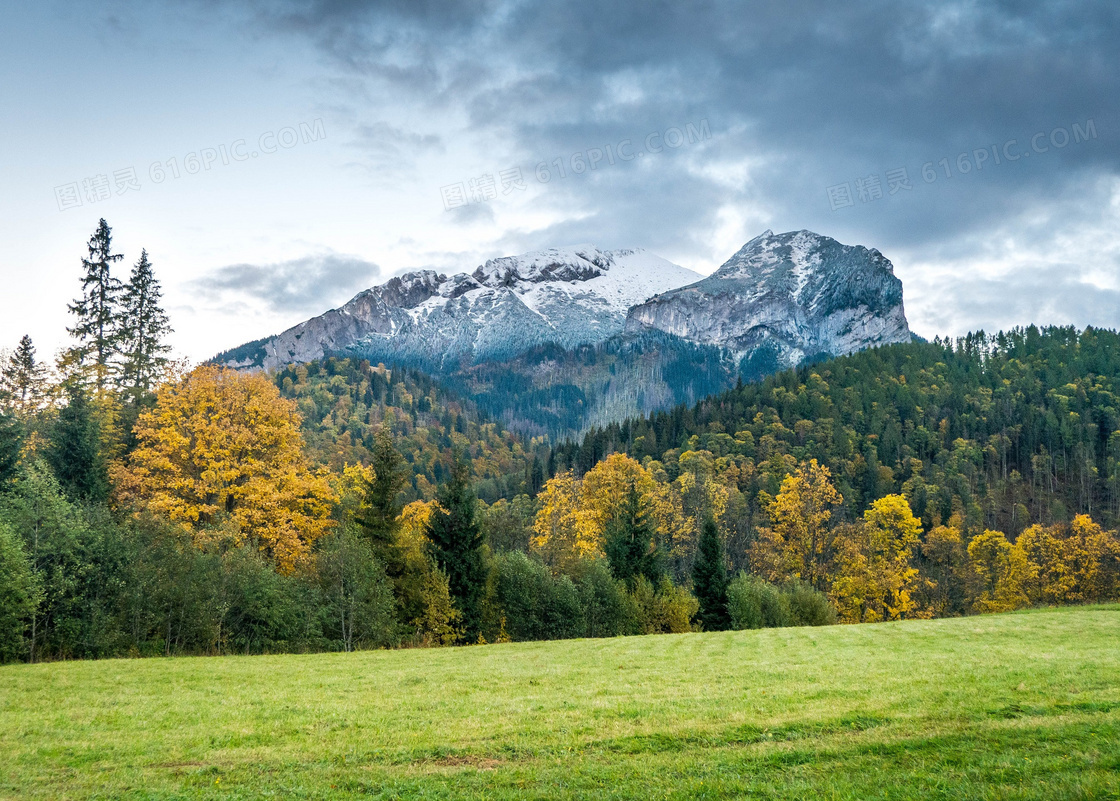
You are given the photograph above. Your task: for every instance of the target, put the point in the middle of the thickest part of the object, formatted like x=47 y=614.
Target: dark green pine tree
x=536 y=476
x=11 y=441
x=75 y=450
x=23 y=377
x=381 y=505
x=143 y=326
x=98 y=312
x=630 y=542
x=456 y=544
x=709 y=578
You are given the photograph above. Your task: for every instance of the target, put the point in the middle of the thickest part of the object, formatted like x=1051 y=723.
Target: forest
x=148 y=507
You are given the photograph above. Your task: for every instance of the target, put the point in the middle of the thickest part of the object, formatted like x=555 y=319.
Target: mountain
x=565 y=296
x=554 y=341
x=784 y=298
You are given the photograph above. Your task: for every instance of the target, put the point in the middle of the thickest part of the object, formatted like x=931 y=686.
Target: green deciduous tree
x=19 y=595
x=358 y=599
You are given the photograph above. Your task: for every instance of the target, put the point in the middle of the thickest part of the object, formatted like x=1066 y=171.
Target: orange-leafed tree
x=221 y=453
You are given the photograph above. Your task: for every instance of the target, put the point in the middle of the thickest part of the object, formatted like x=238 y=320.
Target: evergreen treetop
x=143 y=326
x=97 y=312
x=23 y=377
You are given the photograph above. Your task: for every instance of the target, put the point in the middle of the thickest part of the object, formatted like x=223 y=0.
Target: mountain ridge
x=570 y=296
x=585 y=335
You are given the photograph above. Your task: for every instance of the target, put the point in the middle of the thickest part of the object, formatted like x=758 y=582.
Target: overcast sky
x=276 y=157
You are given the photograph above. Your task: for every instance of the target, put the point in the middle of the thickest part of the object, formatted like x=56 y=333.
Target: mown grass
x=1010 y=706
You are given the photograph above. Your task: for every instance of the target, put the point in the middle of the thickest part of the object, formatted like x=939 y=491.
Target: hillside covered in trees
x=148 y=508
x=344 y=402
x=1006 y=430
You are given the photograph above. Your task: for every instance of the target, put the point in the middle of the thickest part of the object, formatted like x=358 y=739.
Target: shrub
x=536 y=604
x=19 y=595
x=607 y=610
x=666 y=610
x=756 y=604
x=808 y=606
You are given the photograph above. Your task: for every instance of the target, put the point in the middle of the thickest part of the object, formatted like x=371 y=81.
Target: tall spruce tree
x=23 y=377
x=709 y=578
x=143 y=326
x=381 y=505
x=98 y=312
x=11 y=442
x=75 y=453
x=456 y=544
x=630 y=542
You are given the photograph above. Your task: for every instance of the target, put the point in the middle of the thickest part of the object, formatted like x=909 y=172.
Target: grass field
x=1008 y=706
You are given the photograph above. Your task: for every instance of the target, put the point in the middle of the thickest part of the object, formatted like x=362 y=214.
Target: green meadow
x=1023 y=705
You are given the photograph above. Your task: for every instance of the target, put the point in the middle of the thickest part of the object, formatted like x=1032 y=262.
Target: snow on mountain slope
x=785 y=297
x=569 y=296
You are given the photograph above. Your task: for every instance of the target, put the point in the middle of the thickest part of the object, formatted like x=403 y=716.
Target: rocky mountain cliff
x=567 y=296
x=553 y=341
x=784 y=298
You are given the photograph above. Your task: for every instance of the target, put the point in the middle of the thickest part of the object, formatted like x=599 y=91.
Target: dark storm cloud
x=808 y=95
x=824 y=91
x=306 y=285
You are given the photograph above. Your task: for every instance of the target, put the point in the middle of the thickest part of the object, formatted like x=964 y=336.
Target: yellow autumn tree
x=944 y=566
x=603 y=488
x=574 y=513
x=222 y=451
x=798 y=543
x=1050 y=580
x=875 y=578
x=413 y=523
x=559 y=536
x=423 y=594
x=1092 y=557
x=1000 y=571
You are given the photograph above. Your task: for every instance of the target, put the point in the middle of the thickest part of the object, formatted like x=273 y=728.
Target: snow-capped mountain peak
x=569 y=296
x=792 y=295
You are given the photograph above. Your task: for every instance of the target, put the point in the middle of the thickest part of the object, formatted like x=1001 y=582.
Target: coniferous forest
x=148 y=507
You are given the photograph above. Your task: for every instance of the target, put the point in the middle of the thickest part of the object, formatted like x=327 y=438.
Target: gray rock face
x=791 y=295
x=781 y=299
x=568 y=296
